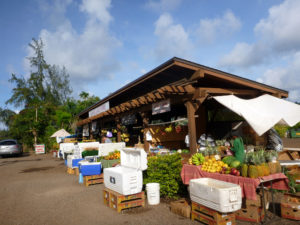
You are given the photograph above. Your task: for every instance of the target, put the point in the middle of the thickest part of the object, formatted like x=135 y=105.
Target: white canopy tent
x=61 y=133
x=263 y=112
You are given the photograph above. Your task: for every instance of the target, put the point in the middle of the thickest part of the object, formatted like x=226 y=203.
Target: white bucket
x=153 y=194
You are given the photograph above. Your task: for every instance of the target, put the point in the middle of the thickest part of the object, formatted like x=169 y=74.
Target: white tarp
x=263 y=112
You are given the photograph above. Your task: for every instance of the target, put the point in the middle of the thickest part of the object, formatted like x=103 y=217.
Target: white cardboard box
x=127 y=179
x=218 y=195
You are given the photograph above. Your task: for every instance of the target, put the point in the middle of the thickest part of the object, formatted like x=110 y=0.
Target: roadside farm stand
x=170 y=101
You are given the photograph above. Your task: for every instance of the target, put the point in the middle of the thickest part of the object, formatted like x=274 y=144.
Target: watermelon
x=228 y=159
x=235 y=164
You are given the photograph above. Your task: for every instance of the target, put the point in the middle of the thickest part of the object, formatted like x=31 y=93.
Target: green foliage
x=281 y=129
x=89 y=153
x=44 y=101
x=165 y=170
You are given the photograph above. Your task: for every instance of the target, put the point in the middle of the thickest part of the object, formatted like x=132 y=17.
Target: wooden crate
x=70 y=171
x=251 y=214
x=209 y=216
x=290 y=207
x=119 y=202
x=93 y=179
x=74 y=171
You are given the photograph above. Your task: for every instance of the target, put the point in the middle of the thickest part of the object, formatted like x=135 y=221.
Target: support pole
x=145 y=118
x=191 y=126
x=118 y=123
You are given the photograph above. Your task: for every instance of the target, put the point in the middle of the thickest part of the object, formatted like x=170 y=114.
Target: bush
x=281 y=130
x=165 y=170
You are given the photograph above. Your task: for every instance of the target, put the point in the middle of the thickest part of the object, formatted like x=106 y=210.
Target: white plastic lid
x=134 y=158
x=89 y=163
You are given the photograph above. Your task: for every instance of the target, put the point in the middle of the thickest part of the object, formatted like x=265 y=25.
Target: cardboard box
x=290 y=207
x=258 y=201
x=181 y=207
x=250 y=214
x=210 y=216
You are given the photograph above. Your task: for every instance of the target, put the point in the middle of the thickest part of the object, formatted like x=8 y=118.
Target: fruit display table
x=249 y=185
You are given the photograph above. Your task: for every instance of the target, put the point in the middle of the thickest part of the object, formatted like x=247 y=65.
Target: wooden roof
x=178 y=76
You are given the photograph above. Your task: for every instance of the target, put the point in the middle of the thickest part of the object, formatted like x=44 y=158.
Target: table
x=248 y=185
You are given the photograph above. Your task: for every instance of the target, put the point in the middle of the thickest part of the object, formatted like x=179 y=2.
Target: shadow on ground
x=37 y=169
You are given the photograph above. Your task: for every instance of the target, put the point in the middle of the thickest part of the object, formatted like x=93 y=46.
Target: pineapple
x=252 y=169
x=244 y=167
x=272 y=165
x=257 y=161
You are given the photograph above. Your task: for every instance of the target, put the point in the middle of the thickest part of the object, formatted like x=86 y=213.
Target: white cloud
x=277 y=35
x=97 y=10
x=281 y=27
x=244 y=55
x=210 y=29
x=163 y=5
x=87 y=55
x=173 y=40
x=285 y=77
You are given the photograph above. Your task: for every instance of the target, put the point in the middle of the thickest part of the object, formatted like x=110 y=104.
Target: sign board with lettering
x=39 y=149
x=161 y=107
x=101 y=108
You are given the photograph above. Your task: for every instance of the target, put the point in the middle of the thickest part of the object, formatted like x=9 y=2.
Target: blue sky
x=105 y=44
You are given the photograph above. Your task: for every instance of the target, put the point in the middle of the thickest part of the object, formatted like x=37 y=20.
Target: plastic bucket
x=153 y=195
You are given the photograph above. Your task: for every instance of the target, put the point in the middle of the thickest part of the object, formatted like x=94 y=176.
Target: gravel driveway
x=35 y=189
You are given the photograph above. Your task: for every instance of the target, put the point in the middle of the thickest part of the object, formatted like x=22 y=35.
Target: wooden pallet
x=93 y=179
x=119 y=202
x=211 y=217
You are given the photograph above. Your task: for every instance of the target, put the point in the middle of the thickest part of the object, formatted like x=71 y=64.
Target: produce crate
x=209 y=216
x=119 y=202
x=70 y=171
x=259 y=200
x=290 y=207
x=295 y=133
x=93 y=179
x=181 y=207
x=251 y=214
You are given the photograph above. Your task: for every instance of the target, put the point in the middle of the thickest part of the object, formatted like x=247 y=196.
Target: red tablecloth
x=248 y=185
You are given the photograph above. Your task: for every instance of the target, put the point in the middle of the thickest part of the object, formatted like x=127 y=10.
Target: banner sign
x=129 y=119
x=39 y=149
x=161 y=107
x=102 y=108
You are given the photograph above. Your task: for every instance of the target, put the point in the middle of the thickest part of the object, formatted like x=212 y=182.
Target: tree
x=6 y=116
x=46 y=89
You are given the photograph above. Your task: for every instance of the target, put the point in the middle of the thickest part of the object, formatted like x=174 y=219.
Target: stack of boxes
x=290 y=207
x=253 y=210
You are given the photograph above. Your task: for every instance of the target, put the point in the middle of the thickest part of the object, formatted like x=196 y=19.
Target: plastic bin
x=218 y=195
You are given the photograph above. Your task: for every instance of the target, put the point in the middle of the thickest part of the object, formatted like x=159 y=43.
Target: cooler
x=89 y=168
x=127 y=179
x=73 y=161
x=218 y=195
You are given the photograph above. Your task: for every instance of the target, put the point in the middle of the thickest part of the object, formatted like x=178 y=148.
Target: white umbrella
x=61 y=133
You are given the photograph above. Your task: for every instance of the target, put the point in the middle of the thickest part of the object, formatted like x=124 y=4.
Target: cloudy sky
x=105 y=44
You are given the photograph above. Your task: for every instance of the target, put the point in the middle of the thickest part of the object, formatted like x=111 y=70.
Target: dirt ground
x=35 y=189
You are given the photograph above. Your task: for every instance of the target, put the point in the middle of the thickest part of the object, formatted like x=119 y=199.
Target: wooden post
x=145 y=118
x=191 y=126
x=118 y=123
